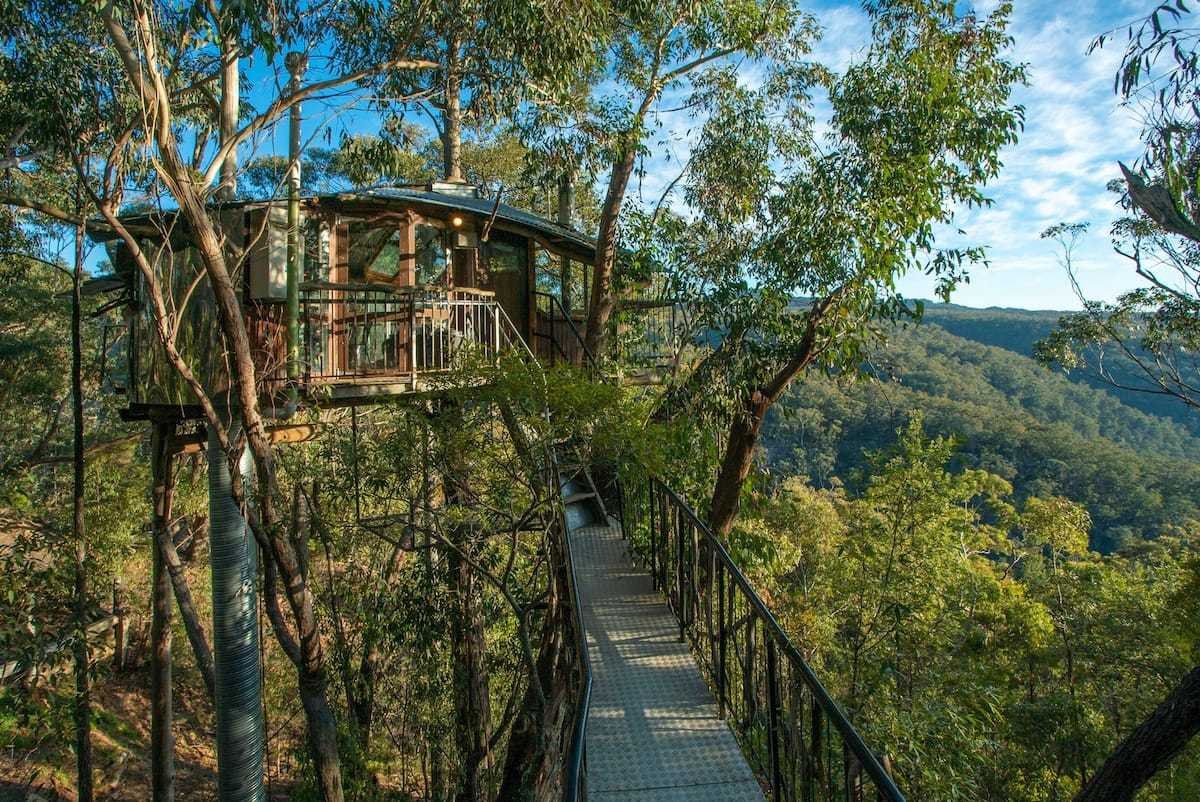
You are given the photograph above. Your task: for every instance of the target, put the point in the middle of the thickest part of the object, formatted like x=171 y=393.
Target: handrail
x=686 y=570
x=393 y=289
x=575 y=773
x=382 y=332
x=589 y=357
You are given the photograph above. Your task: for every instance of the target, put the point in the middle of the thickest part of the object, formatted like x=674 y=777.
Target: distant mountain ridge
x=1018 y=330
x=969 y=373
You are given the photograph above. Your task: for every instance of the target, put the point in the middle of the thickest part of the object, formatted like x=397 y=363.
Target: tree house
x=397 y=288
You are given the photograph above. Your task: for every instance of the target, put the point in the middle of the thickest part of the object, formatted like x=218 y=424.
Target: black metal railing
x=795 y=736
x=575 y=765
x=648 y=332
x=375 y=332
x=556 y=338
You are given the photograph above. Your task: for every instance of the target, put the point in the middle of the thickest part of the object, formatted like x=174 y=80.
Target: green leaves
x=797 y=242
x=1057 y=523
x=987 y=668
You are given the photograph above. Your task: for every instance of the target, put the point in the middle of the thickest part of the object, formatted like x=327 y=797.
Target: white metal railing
x=354 y=332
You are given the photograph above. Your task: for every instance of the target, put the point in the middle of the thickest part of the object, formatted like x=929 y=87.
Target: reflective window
x=431 y=254
x=505 y=257
x=374 y=252
x=315 y=234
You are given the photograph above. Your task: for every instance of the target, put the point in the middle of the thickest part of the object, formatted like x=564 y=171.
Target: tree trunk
x=364 y=699
x=310 y=657
x=230 y=101
x=162 y=740
x=83 y=694
x=533 y=762
x=438 y=780
x=452 y=117
x=187 y=609
x=735 y=464
x=603 y=302
x=305 y=649
x=322 y=735
x=120 y=625
x=1149 y=748
x=746 y=426
x=472 y=701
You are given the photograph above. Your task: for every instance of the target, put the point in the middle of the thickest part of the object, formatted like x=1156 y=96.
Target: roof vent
x=459 y=188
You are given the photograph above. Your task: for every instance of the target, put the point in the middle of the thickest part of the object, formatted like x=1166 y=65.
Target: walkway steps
x=653 y=733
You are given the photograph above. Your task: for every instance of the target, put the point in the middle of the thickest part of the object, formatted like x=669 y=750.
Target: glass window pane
x=374 y=252
x=431 y=254
x=547 y=272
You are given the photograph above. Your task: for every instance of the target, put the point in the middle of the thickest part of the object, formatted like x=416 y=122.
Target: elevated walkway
x=647 y=725
x=654 y=733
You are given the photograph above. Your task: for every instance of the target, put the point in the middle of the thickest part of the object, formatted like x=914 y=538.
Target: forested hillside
x=1043 y=432
x=1018 y=330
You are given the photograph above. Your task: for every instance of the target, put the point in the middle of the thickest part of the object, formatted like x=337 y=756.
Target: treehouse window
x=315 y=235
x=578 y=279
x=375 y=252
x=548 y=276
x=431 y=254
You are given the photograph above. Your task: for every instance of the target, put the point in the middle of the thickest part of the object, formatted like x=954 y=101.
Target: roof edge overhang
x=553 y=236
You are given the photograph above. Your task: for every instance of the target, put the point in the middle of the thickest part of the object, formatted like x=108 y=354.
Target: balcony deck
x=653 y=732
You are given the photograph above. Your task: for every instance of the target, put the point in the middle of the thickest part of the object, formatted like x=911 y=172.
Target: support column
x=234 y=556
x=162 y=739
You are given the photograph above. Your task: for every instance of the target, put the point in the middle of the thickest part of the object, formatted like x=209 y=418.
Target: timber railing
x=556 y=338
x=355 y=332
x=795 y=736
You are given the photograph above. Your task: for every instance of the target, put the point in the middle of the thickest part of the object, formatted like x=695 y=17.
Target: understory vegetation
x=982 y=536
x=973 y=634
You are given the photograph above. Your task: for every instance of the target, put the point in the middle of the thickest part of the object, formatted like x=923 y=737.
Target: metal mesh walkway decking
x=653 y=731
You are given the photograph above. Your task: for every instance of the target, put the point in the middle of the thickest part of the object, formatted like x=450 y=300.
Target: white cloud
x=1075 y=132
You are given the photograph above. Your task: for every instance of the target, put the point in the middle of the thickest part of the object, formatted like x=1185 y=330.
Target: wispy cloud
x=1075 y=133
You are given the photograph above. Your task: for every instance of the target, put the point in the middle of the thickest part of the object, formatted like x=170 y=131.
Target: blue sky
x=1075 y=132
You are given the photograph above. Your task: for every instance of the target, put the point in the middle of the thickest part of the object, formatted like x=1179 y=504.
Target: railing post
x=816 y=744
x=412 y=337
x=722 y=679
x=679 y=598
x=773 y=718
x=650 y=502
x=496 y=330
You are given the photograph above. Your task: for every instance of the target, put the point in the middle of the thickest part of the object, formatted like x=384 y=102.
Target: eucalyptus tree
x=37 y=123
x=158 y=101
x=656 y=51
x=491 y=57
x=1148 y=339
x=798 y=238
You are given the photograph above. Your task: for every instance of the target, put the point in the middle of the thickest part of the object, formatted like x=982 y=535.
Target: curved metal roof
x=554 y=234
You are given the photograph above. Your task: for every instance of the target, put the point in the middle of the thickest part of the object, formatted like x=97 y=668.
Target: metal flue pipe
x=234 y=557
